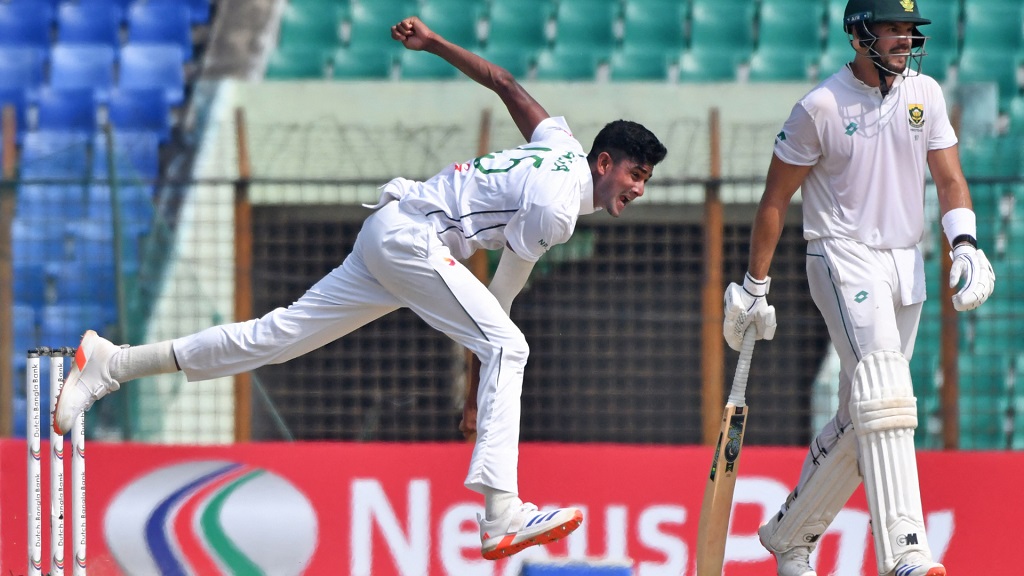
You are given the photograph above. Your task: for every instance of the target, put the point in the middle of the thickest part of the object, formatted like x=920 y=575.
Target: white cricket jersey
x=869 y=157
x=529 y=197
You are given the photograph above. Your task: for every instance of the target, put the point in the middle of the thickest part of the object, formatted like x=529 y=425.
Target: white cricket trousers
x=397 y=261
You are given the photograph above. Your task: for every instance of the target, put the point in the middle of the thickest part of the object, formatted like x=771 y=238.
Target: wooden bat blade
x=716 y=508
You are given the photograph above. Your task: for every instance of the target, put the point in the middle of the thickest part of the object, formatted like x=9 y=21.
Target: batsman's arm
x=781 y=184
x=526 y=112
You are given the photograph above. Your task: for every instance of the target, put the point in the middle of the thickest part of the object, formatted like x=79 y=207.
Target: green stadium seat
x=937 y=64
x=834 y=34
x=311 y=23
x=651 y=25
x=1016 y=111
x=639 y=65
x=724 y=25
x=586 y=24
x=791 y=25
x=994 y=26
x=568 y=65
x=944 y=31
x=425 y=66
x=456 y=20
x=983 y=383
x=357 y=63
x=518 y=24
x=833 y=58
x=707 y=65
x=297 y=62
x=516 y=61
x=370 y=24
x=778 y=64
x=990 y=65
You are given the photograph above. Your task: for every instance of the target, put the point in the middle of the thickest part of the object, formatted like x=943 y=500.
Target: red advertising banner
x=401 y=509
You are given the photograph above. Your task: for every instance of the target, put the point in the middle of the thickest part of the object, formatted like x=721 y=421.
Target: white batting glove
x=972 y=267
x=746 y=305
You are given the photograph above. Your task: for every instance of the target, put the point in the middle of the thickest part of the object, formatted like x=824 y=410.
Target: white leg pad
x=884 y=414
x=829 y=477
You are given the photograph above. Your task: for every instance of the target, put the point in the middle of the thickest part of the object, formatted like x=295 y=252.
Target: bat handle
x=738 y=394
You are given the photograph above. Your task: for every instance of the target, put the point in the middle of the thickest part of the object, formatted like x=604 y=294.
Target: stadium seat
x=135 y=202
x=835 y=57
x=943 y=35
x=91 y=23
x=83 y=66
x=312 y=24
x=140 y=109
x=29 y=282
x=198 y=10
x=425 y=66
x=1016 y=111
x=67 y=109
x=790 y=25
x=64 y=324
x=778 y=64
x=995 y=26
x=24 y=323
x=33 y=240
x=653 y=25
x=567 y=65
x=15 y=96
x=639 y=65
x=987 y=64
x=349 y=64
x=518 y=24
x=47 y=205
x=707 y=65
x=23 y=67
x=724 y=25
x=456 y=20
x=370 y=24
x=937 y=64
x=517 y=62
x=298 y=62
x=54 y=155
x=154 y=66
x=586 y=24
x=835 y=36
x=23 y=24
x=161 y=23
x=136 y=156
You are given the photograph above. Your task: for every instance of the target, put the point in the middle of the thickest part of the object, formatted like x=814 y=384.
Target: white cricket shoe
x=524 y=526
x=917 y=564
x=88 y=381
x=793 y=562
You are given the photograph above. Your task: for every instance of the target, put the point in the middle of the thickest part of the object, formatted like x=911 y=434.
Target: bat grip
x=738 y=393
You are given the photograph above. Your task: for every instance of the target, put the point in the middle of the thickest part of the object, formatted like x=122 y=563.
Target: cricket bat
x=713 y=527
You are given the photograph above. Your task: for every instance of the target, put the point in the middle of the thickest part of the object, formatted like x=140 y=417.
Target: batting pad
x=811 y=508
x=884 y=413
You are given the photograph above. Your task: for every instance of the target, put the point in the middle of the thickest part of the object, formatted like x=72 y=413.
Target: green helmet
x=871 y=11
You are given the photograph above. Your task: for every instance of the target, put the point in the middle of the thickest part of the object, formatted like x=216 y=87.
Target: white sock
x=143 y=360
x=496 y=502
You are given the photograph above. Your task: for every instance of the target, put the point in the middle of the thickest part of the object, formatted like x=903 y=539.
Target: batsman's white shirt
x=870 y=159
x=407 y=255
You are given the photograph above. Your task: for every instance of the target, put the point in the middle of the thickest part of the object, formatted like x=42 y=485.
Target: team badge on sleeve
x=916 y=117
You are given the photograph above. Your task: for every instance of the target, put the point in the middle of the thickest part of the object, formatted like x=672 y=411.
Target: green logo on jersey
x=851 y=128
x=781 y=136
x=861 y=296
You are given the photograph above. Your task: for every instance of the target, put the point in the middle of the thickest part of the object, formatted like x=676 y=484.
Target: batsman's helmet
x=860 y=14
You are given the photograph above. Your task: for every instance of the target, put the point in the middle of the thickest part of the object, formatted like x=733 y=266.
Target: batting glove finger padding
x=746 y=305
x=971 y=266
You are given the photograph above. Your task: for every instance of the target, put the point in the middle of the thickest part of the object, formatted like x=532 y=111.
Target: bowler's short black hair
x=626 y=139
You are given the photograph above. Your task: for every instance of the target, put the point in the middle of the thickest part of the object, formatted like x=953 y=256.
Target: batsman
x=858 y=146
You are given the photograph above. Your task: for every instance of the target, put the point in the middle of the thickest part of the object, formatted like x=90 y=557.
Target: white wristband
x=755 y=287
x=959 y=221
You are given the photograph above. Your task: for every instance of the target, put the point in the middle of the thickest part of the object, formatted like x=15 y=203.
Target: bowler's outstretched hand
x=413 y=33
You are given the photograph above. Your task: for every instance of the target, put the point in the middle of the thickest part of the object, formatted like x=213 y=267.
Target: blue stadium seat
x=33 y=241
x=154 y=66
x=24 y=330
x=23 y=67
x=15 y=96
x=83 y=66
x=198 y=10
x=140 y=109
x=46 y=205
x=92 y=23
x=29 y=282
x=64 y=324
x=68 y=109
x=24 y=24
x=54 y=155
x=135 y=202
x=161 y=23
x=136 y=156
